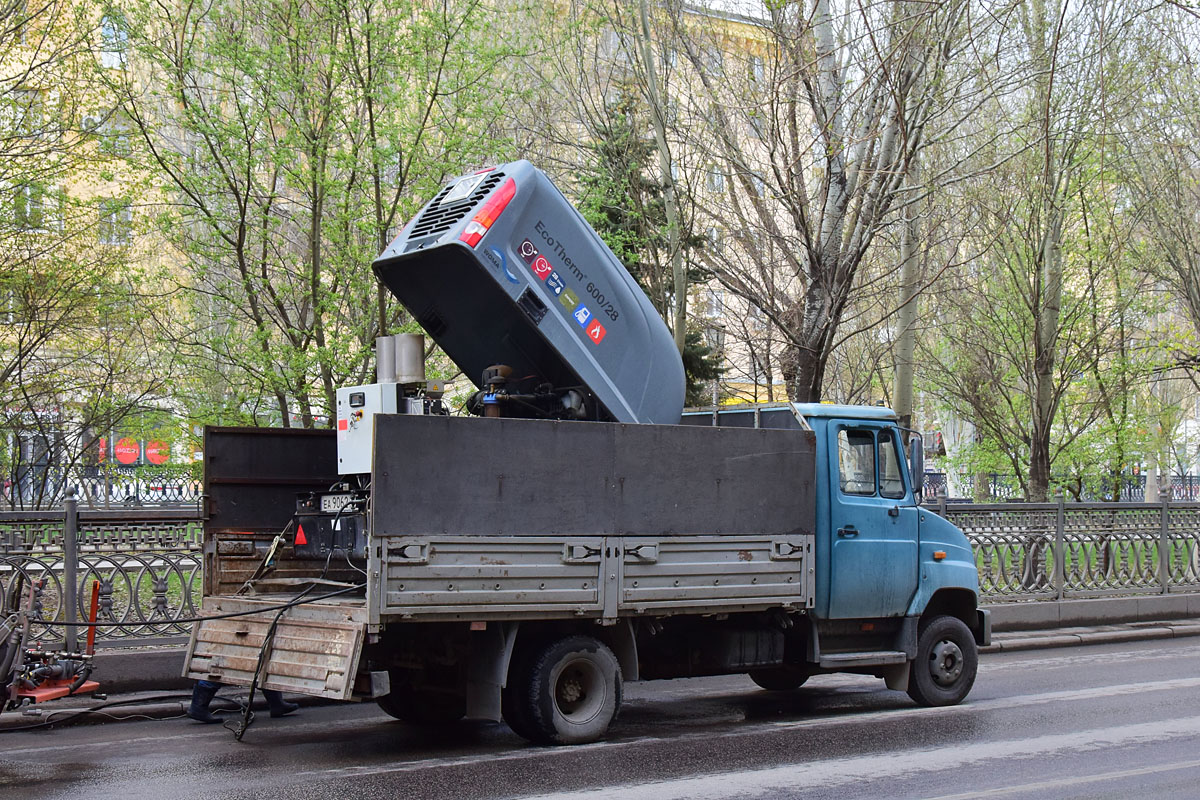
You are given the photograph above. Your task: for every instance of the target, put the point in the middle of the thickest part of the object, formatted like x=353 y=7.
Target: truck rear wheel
x=944 y=669
x=779 y=679
x=569 y=692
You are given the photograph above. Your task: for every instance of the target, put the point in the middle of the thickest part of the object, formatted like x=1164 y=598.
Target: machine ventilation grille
x=438 y=218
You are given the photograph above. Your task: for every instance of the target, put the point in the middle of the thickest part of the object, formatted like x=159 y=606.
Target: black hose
x=94 y=709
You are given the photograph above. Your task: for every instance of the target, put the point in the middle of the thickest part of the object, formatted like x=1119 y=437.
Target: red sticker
x=343 y=424
x=596 y=332
x=541 y=267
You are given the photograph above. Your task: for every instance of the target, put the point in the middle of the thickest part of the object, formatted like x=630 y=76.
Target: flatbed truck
x=579 y=530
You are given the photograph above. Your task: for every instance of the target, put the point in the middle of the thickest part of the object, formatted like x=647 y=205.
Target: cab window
x=856 y=461
x=891 y=477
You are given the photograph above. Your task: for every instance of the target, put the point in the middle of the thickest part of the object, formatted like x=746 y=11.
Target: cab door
x=873 y=522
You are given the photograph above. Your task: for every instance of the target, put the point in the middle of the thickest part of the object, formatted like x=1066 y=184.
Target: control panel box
x=356 y=410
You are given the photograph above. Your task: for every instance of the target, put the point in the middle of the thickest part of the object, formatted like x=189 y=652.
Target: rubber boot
x=279 y=707
x=202 y=695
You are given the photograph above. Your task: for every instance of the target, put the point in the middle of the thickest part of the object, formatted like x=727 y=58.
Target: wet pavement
x=1091 y=721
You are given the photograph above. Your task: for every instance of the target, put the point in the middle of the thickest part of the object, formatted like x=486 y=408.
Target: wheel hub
x=946 y=663
x=579 y=690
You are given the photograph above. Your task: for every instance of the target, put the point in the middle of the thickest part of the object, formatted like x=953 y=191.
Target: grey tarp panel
x=464 y=476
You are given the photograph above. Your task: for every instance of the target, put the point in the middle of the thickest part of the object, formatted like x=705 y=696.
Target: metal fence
x=148 y=561
x=1060 y=550
x=99 y=487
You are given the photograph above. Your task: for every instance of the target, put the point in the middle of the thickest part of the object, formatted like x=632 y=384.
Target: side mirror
x=916 y=464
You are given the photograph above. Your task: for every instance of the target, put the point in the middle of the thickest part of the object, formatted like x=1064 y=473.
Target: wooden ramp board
x=314 y=651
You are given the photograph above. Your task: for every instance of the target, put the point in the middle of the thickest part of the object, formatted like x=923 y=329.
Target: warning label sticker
x=527 y=251
x=541 y=268
x=596 y=331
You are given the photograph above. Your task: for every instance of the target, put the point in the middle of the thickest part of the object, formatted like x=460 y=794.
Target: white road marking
x=1071 y=656
x=1063 y=783
x=828 y=773
x=757 y=729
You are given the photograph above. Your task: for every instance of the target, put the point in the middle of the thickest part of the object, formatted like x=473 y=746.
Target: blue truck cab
x=896 y=585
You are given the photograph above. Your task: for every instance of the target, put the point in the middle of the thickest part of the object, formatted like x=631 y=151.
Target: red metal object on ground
x=91 y=634
x=52 y=690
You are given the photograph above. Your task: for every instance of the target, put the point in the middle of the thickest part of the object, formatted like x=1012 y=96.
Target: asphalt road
x=1109 y=721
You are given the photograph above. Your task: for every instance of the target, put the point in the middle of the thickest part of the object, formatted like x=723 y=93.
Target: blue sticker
x=555 y=284
x=582 y=315
x=504 y=265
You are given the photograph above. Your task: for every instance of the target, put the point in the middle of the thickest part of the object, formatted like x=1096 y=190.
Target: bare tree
x=811 y=123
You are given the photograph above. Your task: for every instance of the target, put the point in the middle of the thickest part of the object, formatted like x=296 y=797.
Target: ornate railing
x=1033 y=551
x=27 y=489
x=146 y=563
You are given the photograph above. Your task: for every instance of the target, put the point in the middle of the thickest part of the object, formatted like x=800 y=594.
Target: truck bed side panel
x=523 y=519
x=480 y=477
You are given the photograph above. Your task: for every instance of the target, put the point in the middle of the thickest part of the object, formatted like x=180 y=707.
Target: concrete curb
x=1042 y=615
x=1135 y=632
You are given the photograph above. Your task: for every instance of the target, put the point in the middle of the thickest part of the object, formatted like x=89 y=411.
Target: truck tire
x=423 y=708
x=944 y=669
x=513 y=706
x=779 y=679
x=569 y=693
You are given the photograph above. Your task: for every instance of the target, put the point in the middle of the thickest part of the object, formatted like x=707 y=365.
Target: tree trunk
x=670 y=203
x=906 y=341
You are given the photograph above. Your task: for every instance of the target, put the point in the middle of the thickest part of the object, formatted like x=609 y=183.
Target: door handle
x=848 y=531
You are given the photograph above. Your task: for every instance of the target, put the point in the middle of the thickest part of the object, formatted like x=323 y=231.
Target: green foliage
x=622 y=199
x=295 y=138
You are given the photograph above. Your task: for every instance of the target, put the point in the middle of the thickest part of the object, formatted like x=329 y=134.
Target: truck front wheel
x=570 y=691
x=944 y=669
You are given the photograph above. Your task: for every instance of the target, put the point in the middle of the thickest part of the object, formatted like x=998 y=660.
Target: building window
x=715 y=239
x=619 y=47
x=27 y=112
x=715 y=181
x=712 y=61
x=114 y=40
x=116 y=222
x=30 y=207
x=757 y=69
x=758 y=185
x=114 y=136
x=714 y=303
x=756 y=124
x=8 y=305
